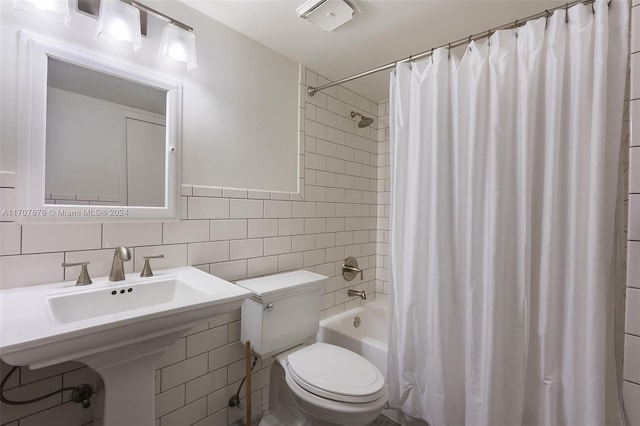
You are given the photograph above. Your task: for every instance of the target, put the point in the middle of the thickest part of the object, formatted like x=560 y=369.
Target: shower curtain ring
x=469 y=42
x=515 y=28
x=449 y=54
x=566 y=12
x=546 y=24
x=432 y=55
x=593 y=9
x=410 y=62
x=489 y=37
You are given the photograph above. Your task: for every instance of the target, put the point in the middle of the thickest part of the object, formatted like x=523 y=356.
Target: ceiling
x=384 y=31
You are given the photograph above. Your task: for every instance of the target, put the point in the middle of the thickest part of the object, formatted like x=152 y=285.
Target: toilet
x=313 y=384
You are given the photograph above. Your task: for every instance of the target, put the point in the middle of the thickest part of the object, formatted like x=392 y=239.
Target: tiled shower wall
x=631 y=385
x=383 y=274
x=233 y=234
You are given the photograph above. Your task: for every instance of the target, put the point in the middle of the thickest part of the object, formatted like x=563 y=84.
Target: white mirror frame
x=34 y=52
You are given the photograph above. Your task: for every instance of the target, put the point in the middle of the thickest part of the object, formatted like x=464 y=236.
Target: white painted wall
x=240 y=126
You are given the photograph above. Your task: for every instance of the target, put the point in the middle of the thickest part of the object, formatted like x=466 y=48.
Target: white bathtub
x=370 y=339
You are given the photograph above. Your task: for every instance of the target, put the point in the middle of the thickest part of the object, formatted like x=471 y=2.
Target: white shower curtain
x=503 y=242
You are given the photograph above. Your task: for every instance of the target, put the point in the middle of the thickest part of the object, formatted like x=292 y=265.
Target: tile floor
x=383 y=420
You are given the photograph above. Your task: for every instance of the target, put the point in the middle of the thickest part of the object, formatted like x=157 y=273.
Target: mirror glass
x=106 y=139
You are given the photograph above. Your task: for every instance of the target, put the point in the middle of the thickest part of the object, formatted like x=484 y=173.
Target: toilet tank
x=283 y=311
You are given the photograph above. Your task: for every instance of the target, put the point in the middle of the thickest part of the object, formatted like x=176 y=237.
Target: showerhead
x=364 y=121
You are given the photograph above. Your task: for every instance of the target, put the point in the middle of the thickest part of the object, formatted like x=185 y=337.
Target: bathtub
x=369 y=339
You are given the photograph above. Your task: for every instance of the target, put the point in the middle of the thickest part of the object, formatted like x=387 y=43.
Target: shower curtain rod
x=518 y=22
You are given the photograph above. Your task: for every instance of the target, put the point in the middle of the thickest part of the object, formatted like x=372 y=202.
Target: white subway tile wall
x=631 y=371
x=231 y=233
x=383 y=202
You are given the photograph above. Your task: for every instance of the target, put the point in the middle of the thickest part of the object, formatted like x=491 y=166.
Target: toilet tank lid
x=279 y=285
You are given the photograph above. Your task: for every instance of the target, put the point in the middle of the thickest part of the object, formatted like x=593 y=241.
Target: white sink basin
x=120 y=329
x=118 y=299
x=52 y=323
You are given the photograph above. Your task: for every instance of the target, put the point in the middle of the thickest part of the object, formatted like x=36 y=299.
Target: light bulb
x=58 y=7
x=179 y=45
x=120 y=21
x=177 y=52
x=119 y=30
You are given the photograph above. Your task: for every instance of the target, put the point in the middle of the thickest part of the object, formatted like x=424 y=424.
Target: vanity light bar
x=92 y=7
x=162 y=15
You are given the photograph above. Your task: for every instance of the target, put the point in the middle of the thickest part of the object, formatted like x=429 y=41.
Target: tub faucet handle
x=354 y=270
x=350 y=269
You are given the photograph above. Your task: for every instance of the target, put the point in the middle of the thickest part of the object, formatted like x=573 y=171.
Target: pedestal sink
x=119 y=329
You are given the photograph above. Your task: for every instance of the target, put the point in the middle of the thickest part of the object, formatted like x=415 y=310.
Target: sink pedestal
x=129 y=384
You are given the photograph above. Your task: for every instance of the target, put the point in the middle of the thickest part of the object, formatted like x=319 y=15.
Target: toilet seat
x=335 y=373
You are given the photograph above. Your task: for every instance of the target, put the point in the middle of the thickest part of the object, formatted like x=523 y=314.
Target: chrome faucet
x=361 y=294
x=121 y=255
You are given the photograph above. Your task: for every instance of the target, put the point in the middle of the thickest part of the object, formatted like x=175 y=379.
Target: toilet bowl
x=335 y=385
x=317 y=384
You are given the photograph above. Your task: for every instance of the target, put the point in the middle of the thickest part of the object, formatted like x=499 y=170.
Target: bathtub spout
x=361 y=294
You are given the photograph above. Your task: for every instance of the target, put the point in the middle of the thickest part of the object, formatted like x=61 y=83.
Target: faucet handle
x=83 y=278
x=146 y=269
x=350 y=269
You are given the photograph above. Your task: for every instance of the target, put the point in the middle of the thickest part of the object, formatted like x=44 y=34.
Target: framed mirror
x=99 y=138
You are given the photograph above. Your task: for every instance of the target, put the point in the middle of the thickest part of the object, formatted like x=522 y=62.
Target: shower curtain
x=503 y=243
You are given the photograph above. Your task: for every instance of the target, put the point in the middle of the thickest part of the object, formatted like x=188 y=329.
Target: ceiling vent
x=327 y=14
